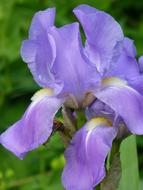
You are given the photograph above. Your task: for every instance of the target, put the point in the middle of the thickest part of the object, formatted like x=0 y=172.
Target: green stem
x=115 y=149
x=81 y=120
x=97 y=187
x=113 y=176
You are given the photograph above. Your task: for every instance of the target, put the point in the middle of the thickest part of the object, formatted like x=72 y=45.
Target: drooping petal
x=126 y=102
x=126 y=67
x=71 y=66
x=103 y=35
x=34 y=128
x=86 y=155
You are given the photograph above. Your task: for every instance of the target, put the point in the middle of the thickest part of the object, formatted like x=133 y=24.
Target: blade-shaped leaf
x=129 y=162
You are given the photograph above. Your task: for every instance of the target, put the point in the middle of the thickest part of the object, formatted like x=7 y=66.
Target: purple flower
x=86 y=154
x=103 y=75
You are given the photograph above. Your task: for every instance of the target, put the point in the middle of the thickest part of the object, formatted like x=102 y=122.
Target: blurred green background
x=41 y=169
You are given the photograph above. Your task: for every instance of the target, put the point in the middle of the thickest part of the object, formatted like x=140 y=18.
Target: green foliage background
x=41 y=169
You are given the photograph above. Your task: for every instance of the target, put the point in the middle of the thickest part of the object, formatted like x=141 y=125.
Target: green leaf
x=113 y=176
x=129 y=162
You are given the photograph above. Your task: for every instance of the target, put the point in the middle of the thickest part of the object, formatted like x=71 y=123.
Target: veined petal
x=41 y=22
x=126 y=67
x=99 y=109
x=126 y=102
x=34 y=128
x=86 y=155
x=71 y=66
x=29 y=50
x=137 y=83
x=130 y=47
x=103 y=35
x=140 y=61
x=39 y=51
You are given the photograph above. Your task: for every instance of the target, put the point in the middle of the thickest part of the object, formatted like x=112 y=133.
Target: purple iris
x=102 y=77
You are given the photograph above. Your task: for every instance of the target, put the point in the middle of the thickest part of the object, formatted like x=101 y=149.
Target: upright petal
x=140 y=61
x=39 y=50
x=99 y=109
x=71 y=66
x=126 y=67
x=34 y=128
x=130 y=47
x=126 y=102
x=137 y=83
x=86 y=155
x=41 y=22
x=103 y=35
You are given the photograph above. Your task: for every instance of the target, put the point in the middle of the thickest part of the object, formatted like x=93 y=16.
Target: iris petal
x=41 y=22
x=33 y=129
x=126 y=66
x=39 y=50
x=86 y=155
x=71 y=66
x=127 y=103
x=137 y=83
x=103 y=35
x=56 y=59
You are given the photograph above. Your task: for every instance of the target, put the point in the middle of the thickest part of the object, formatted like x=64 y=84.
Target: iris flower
x=102 y=77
